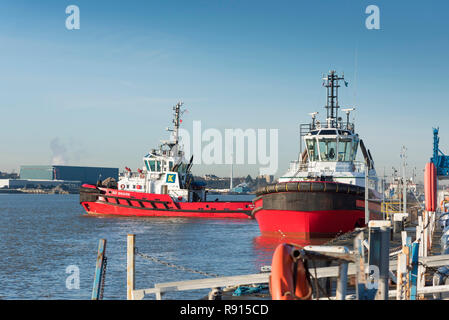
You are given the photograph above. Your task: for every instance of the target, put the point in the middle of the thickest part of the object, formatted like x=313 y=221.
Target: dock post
x=97 y=290
x=401 y=275
x=419 y=231
x=425 y=233
x=402 y=272
x=421 y=240
x=130 y=266
x=432 y=228
x=379 y=254
x=342 y=281
x=360 y=267
x=414 y=270
x=408 y=244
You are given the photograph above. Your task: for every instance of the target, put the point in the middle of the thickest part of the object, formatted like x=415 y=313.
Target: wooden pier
x=404 y=264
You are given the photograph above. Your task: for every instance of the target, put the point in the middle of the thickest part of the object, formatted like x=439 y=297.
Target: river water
x=42 y=237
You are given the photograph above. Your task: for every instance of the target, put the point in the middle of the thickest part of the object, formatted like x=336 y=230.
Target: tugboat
x=163 y=187
x=323 y=192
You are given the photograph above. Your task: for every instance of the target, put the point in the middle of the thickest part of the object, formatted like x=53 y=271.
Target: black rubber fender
x=312 y=186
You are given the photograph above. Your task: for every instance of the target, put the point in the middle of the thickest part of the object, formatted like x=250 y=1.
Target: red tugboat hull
x=104 y=201
x=312 y=209
x=307 y=224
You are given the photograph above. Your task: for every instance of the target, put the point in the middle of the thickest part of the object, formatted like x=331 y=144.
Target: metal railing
x=391 y=207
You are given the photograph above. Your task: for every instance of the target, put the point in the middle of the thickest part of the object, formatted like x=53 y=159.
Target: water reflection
x=264 y=246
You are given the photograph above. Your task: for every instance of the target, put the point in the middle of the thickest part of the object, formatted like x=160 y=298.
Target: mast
x=176 y=121
x=331 y=83
x=404 y=180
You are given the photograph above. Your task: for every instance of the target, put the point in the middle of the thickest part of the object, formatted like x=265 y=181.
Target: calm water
x=41 y=235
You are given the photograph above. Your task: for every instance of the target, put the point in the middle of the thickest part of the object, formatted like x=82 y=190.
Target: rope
x=317 y=285
x=345 y=236
x=171 y=265
x=431 y=269
x=398 y=248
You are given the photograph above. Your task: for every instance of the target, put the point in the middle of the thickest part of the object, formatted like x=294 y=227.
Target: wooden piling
x=401 y=275
x=99 y=269
x=130 y=266
x=360 y=267
x=403 y=283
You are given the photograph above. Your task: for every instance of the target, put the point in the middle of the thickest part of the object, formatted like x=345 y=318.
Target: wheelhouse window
x=354 y=148
x=328 y=149
x=345 y=150
x=182 y=168
x=154 y=165
x=170 y=165
x=312 y=149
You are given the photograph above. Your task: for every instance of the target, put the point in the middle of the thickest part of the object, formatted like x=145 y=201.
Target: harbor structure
x=84 y=174
x=45 y=177
x=36 y=183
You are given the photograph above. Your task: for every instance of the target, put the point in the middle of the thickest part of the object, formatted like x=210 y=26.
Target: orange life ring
x=282 y=284
x=122 y=186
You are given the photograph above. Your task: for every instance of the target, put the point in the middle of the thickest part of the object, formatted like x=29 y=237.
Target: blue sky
x=105 y=92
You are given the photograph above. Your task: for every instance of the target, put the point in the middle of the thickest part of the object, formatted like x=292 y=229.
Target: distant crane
x=439 y=159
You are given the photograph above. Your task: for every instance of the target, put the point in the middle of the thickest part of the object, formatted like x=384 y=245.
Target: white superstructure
x=331 y=148
x=165 y=170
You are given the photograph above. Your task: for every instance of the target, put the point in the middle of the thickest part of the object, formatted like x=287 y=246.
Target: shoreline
x=36 y=191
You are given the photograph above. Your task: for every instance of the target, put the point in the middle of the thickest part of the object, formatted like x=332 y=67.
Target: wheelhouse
x=157 y=165
x=331 y=145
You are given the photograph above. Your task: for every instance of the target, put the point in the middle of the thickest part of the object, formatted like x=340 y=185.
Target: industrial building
x=33 y=184
x=70 y=173
x=38 y=177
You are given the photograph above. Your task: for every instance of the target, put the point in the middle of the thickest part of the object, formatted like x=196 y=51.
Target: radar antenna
x=348 y=125
x=313 y=115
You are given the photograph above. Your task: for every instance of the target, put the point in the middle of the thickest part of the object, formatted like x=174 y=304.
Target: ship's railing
x=150 y=175
x=307 y=127
x=300 y=167
x=346 y=126
x=132 y=175
x=391 y=207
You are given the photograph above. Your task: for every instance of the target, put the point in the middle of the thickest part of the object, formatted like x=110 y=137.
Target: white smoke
x=59 y=153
